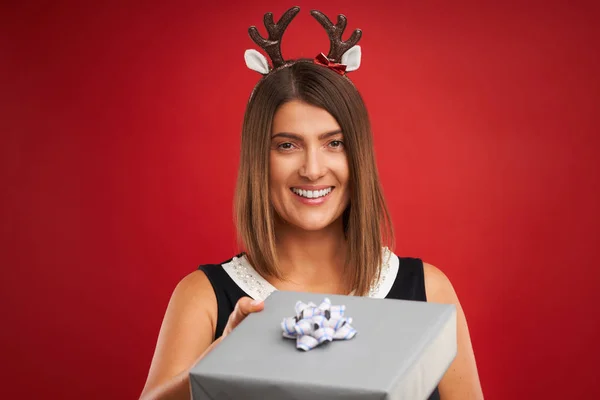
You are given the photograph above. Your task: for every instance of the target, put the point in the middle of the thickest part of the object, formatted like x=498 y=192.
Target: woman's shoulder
x=419 y=280
x=438 y=287
x=194 y=286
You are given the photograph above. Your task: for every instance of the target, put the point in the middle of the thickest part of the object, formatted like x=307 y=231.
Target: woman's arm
x=185 y=336
x=461 y=381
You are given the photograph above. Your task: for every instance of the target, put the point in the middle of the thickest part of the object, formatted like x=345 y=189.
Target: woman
x=310 y=214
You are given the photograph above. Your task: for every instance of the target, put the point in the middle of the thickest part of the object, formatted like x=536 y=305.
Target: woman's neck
x=311 y=261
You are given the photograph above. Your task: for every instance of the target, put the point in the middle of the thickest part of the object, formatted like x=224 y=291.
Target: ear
x=256 y=61
x=351 y=58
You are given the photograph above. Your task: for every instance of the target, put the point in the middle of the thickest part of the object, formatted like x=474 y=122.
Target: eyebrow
x=299 y=137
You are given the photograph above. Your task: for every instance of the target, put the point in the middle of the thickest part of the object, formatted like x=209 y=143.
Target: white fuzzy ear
x=351 y=58
x=256 y=61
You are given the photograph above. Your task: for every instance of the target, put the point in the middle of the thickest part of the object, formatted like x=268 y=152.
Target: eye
x=336 y=144
x=285 y=146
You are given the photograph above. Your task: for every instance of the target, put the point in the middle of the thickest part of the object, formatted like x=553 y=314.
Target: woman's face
x=309 y=173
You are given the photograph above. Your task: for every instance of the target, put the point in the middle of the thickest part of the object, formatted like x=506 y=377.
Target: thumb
x=246 y=306
x=243 y=308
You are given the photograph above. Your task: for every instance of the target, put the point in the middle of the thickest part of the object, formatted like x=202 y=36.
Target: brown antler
x=338 y=46
x=272 y=45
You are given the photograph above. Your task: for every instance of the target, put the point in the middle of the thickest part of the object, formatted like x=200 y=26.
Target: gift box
x=389 y=349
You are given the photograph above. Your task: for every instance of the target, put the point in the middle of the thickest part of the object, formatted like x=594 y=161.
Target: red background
x=120 y=130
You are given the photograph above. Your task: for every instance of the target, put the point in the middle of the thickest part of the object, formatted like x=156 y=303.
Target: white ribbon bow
x=314 y=325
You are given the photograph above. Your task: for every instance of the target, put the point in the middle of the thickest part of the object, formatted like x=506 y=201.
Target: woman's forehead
x=303 y=119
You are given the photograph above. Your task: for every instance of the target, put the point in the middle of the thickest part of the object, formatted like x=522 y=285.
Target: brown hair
x=367 y=223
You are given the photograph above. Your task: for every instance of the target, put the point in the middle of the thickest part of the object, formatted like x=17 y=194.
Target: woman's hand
x=244 y=307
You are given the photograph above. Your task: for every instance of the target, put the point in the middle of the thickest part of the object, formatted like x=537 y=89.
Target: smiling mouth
x=312 y=194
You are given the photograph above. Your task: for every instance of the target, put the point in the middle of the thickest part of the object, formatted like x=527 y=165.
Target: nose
x=314 y=165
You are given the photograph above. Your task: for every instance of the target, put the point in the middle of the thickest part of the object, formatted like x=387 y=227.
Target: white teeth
x=312 y=194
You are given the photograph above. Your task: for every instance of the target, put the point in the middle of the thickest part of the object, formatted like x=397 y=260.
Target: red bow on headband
x=322 y=59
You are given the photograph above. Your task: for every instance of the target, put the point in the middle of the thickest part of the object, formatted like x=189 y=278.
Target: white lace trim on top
x=257 y=287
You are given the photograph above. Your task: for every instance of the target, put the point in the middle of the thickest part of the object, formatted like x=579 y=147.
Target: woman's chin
x=314 y=225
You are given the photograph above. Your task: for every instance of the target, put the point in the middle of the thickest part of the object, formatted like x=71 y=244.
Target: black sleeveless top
x=408 y=285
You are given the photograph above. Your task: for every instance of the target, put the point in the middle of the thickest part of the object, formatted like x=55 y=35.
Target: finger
x=246 y=305
x=243 y=308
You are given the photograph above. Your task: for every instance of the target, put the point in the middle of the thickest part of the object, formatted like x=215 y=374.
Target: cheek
x=342 y=171
x=279 y=172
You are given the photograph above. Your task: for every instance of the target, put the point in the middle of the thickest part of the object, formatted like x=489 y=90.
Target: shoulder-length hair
x=367 y=222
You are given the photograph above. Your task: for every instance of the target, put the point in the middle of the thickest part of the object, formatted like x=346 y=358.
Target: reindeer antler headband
x=343 y=56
